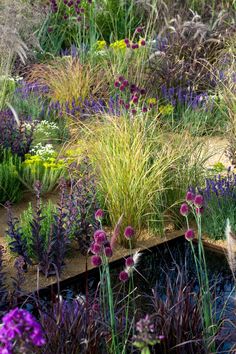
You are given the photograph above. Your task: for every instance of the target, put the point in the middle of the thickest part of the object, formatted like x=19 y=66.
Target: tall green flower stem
x=208 y=318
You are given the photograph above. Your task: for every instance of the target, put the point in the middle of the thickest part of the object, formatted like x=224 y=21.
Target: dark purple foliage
x=17 y=138
x=3 y=290
x=18 y=243
x=71 y=327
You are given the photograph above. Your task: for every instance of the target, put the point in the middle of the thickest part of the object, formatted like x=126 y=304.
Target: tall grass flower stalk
x=195 y=205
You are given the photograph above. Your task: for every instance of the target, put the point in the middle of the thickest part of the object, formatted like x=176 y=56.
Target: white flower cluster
x=44 y=151
x=47 y=128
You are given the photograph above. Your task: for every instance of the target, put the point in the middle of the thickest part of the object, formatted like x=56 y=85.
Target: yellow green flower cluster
x=118 y=45
x=100 y=45
x=166 y=110
x=52 y=162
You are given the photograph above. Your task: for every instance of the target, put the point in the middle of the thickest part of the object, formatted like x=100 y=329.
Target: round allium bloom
x=189 y=234
x=98 y=233
x=99 y=214
x=121 y=78
x=127 y=106
x=199 y=211
x=129 y=232
x=133 y=111
x=139 y=29
x=129 y=262
x=123 y=276
x=79 y=18
x=135 y=99
x=184 y=209
x=122 y=87
x=126 y=40
x=142 y=92
x=128 y=45
x=198 y=201
x=20 y=325
x=144 y=109
x=108 y=251
x=133 y=46
x=125 y=83
x=117 y=84
x=121 y=102
x=101 y=238
x=143 y=42
x=96 y=248
x=96 y=261
x=189 y=197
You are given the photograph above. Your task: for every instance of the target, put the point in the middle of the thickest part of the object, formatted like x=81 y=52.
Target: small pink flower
x=189 y=235
x=123 y=276
x=108 y=252
x=99 y=214
x=129 y=262
x=198 y=201
x=184 y=209
x=129 y=232
x=96 y=261
x=189 y=197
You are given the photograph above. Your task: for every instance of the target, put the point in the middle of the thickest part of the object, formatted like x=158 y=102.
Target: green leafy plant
x=10 y=185
x=48 y=172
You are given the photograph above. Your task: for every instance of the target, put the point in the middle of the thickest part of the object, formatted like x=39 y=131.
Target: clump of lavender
x=219 y=195
x=20 y=331
x=146 y=336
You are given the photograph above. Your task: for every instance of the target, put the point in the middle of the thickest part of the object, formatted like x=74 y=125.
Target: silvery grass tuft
x=18 y=19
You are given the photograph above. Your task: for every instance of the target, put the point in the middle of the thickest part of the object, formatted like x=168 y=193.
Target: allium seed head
x=129 y=232
x=189 y=234
x=96 y=261
x=123 y=276
x=184 y=209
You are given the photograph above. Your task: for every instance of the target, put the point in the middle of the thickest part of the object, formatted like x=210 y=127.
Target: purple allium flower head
x=129 y=232
x=189 y=197
x=96 y=261
x=97 y=233
x=128 y=45
x=123 y=276
x=143 y=42
x=101 y=238
x=133 y=46
x=20 y=325
x=198 y=201
x=99 y=214
x=142 y=92
x=139 y=29
x=133 y=111
x=127 y=106
x=122 y=87
x=184 y=209
x=96 y=248
x=129 y=262
x=144 y=109
x=117 y=84
x=125 y=83
x=126 y=40
x=108 y=251
x=121 y=78
x=135 y=99
x=189 y=234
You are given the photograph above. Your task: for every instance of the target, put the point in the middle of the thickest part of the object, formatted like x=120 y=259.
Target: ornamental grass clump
x=132 y=162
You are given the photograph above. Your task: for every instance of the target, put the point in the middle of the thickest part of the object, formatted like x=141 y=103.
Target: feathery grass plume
x=231 y=247
x=68 y=80
x=18 y=19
